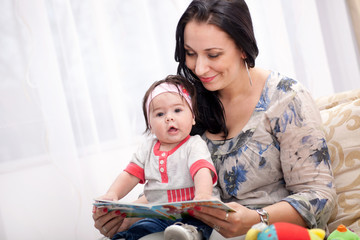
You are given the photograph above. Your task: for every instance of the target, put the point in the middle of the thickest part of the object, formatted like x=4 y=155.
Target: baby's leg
x=142 y=228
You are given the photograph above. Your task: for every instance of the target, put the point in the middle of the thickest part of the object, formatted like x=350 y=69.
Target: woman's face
x=212 y=55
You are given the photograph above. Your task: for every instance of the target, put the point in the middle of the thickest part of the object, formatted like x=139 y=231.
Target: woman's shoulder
x=282 y=88
x=284 y=84
x=285 y=92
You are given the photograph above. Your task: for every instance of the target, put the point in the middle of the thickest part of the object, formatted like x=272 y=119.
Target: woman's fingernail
x=117 y=212
x=123 y=215
x=191 y=212
x=198 y=208
x=105 y=209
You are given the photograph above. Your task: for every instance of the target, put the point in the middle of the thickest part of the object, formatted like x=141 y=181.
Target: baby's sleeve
x=200 y=157
x=137 y=162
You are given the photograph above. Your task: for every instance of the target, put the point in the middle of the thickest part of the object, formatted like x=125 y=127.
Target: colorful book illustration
x=173 y=211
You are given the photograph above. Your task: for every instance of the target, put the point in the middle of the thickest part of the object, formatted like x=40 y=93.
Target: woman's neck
x=239 y=102
x=239 y=89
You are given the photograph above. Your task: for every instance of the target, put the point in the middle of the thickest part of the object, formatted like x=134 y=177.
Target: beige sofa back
x=341 y=118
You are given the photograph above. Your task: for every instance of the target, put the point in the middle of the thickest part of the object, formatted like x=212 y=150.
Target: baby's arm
x=203 y=182
x=122 y=185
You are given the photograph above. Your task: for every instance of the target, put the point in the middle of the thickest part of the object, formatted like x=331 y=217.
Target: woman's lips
x=208 y=79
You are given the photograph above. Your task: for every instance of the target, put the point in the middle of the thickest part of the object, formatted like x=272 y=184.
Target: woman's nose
x=201 y=66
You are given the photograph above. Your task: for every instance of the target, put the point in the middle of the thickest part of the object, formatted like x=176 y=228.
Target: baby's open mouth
x=172 y=129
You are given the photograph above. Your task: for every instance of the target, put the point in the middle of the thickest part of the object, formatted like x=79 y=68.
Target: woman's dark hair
x=232 y=17
x=176 y=80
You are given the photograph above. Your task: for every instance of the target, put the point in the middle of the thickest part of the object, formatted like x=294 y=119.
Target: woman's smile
x=206 y=79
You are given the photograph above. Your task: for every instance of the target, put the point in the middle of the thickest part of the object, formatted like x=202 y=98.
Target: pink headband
x=167 y=87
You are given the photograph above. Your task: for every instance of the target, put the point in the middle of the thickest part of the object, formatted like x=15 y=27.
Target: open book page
x=174 y=210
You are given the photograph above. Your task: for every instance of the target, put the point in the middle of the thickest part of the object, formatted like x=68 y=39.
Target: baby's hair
x=177 y=81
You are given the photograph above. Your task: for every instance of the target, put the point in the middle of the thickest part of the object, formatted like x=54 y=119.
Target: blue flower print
x=262 y=162
x=291 y=115
x=275 y=142
x=233 y=178
x=264 y=101
x=298 y=203
x=321 y=155
x=262 y=149
x=277 y=125
x=305 y=139
x=243 y=138
x=285 y=84
x=318 y=203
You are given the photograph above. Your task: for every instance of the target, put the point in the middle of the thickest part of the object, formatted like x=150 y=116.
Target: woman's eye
x=213 y=55
x=188 y=53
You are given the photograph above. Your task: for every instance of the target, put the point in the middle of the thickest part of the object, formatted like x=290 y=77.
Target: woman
x=263 y=129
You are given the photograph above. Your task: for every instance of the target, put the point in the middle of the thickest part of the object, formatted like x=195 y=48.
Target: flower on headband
x=185 y=92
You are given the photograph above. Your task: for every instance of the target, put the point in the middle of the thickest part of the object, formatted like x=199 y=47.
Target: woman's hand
x=230 y=224
x=108 y=223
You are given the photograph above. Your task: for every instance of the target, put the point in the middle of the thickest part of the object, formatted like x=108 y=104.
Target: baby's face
x=170 y=118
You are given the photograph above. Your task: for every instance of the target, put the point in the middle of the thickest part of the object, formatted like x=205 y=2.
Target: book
x=172 y=211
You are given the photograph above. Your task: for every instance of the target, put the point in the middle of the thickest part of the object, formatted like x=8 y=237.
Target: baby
x=173 y=165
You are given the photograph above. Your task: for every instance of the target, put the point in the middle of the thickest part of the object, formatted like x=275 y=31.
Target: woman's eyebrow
x=207 y=49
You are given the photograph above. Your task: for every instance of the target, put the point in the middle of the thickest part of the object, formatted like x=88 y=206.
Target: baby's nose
x=169 y=118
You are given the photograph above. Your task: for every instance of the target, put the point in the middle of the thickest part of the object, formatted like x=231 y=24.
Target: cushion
x=340 y=113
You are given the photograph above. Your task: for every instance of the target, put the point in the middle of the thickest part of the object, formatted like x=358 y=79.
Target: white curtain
x=73 y=74
x=312 y=41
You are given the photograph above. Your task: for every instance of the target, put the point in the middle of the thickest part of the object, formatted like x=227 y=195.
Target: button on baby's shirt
x=161 y=169
x=161 y=162
x=163 y=154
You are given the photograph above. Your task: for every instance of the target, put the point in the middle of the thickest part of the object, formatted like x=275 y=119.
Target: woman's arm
x=239 y=222
x=305 y=160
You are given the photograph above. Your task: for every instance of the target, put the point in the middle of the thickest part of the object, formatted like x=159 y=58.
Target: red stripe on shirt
x=170 y=199
x=188 y=196
x=202 y=163
x=137 y=171
x=173 y=192
x=184 y=194
x=178 y=195
x=192 y=193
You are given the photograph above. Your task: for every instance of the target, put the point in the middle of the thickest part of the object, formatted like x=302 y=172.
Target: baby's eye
x=177 y=110
x=159 y=114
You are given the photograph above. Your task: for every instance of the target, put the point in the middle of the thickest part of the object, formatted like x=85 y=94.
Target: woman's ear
x=243 y=54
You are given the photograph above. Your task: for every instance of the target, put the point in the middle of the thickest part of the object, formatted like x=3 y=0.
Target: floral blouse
x=280 y=155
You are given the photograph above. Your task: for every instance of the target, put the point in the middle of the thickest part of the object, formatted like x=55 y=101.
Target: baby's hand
x=203 y=197
x=109 y=196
